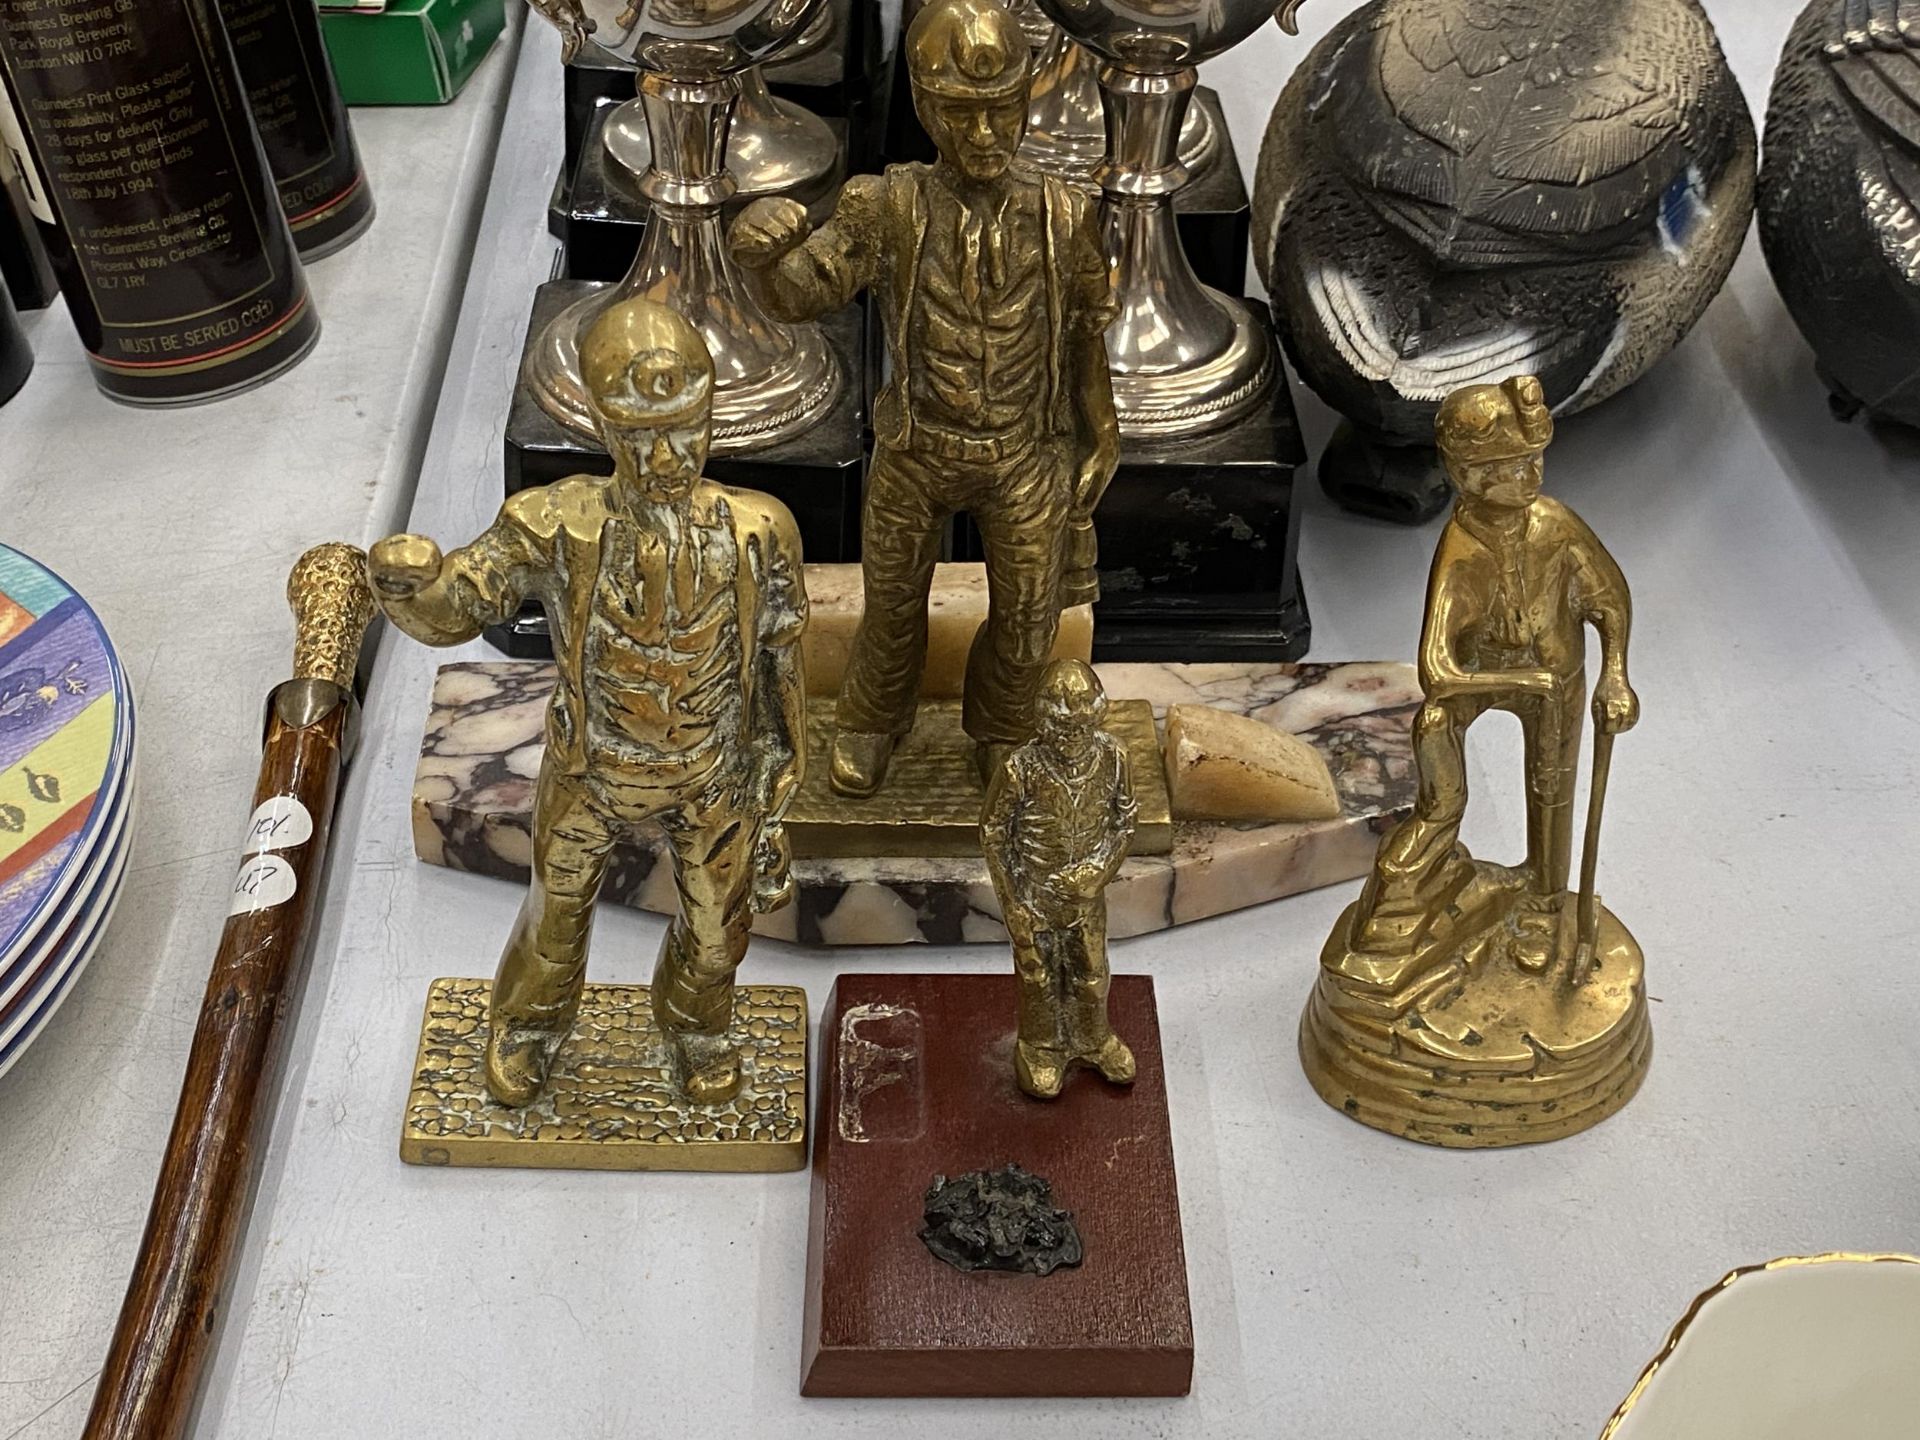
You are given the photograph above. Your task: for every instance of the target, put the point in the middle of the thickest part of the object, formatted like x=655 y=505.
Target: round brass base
x=1490 y=1057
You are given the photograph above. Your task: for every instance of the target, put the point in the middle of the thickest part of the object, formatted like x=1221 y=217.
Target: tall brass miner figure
x=996 y=297
x=1459 y=1002
x=676 y=607
x=1058 y=819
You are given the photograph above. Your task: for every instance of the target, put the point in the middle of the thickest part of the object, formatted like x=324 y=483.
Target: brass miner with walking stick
x=1459 y=1002
x=996 y=298
x=676 y=607
x=1058 y=819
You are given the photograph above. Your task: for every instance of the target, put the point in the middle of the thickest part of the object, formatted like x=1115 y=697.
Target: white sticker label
x=277 y=824
x=263 y=882
x=15 y=157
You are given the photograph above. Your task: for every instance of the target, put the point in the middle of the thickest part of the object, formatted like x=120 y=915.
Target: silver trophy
x=1066 y=122
x=772 y=382
x=1186 y=359
x=774 y=147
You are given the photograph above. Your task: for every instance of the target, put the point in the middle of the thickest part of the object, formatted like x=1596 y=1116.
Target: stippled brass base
x=610 y=1101
x=930 y=803
x=1478 y=1053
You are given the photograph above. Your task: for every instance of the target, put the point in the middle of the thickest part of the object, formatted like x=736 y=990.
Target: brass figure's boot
x=859 y=763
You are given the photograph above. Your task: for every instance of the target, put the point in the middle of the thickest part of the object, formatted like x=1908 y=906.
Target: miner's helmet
x=645 y=366
x=967 y=50
x=1069 y=690
x=1484 y=424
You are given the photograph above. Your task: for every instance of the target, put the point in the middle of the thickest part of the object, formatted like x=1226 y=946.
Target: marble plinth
x=473 y=801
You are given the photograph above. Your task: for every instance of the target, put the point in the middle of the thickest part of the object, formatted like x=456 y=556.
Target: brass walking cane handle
x=332 y=607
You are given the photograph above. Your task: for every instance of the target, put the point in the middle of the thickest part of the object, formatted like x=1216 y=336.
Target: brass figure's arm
x=778 y=722
x=1091 y=308
x=998 y=817
x=798 y=274
x=447 y=600
x=1126 y=813
x=1607 y=604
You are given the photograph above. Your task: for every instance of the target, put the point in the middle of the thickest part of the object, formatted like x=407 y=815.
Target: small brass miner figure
x=1463 y=1003
x=676 y=607
x=1058 y=819
x=996 y=297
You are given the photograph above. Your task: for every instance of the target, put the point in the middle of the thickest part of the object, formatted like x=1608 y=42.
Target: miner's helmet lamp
x=967 y=50
x=1484 y=424
x=1070 y=692
x=646 y=366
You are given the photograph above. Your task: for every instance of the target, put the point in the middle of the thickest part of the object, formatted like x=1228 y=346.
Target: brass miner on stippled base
x=1463 y=1003
x=676 y=607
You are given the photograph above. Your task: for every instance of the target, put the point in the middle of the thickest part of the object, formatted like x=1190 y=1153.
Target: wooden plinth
x=917 y=1082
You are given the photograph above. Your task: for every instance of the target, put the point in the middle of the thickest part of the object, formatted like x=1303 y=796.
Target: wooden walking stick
x=1589 y=931
x=200 y=1202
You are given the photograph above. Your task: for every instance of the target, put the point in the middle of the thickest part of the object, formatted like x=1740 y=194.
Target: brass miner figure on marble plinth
x=1058 y=819
x=996 y=297
x=676 y=607
x=1463 y=1003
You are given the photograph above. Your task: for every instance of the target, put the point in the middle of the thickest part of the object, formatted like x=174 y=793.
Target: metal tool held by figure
x=153 y=1369
x=1584 y=950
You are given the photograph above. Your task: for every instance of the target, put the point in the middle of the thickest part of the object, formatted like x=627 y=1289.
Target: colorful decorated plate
x=35 y=1006
x=65 y=742
x=86 y=891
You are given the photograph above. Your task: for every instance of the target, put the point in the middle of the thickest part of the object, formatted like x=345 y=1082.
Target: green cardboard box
x=408 y=52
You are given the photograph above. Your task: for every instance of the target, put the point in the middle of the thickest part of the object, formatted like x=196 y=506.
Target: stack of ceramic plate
x=66 y=794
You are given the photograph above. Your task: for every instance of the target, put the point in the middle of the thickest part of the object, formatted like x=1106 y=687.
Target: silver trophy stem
x=774 y=147
x=1066 y=118
x=771 y=382
x=1186 y=359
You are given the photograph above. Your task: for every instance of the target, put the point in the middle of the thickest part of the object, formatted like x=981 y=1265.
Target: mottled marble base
x=473 y=801
x=610 y=1102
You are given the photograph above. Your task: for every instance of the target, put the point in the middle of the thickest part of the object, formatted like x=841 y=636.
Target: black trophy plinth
x=818 y=475
x=1214 y=212
x=600 y=215
x=1199 y=545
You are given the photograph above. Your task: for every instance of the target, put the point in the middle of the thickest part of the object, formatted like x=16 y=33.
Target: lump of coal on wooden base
x=1001 y=1219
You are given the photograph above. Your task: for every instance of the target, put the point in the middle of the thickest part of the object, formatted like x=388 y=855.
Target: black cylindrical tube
x=303 y=124
x=156 y=205
x=16 y=356
x=23 y=259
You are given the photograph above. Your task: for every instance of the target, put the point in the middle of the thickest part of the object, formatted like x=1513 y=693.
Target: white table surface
x=1761 y=843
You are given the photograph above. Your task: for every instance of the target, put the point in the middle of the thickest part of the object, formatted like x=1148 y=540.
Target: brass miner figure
x=676 y=607
x=995 y=294
x=1463 y=1003
x=1058 y=819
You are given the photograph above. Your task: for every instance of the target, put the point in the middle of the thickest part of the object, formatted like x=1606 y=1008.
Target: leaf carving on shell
x=1579 y=95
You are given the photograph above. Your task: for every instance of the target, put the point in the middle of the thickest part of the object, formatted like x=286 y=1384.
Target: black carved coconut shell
x=1451 y=192
x=1840 y=197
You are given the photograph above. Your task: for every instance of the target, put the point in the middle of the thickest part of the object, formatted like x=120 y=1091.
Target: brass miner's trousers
x=1060 y=958
x=1021 y=503
x=574 y=828
x=1552 y=728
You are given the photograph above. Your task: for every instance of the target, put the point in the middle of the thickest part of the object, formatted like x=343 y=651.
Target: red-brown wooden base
x=918 y=1082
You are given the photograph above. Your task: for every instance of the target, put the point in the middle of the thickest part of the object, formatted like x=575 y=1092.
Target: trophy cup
x=1066 y=124
x=772 y=382
x=774 y=147
x=1198 y=531
x=785 y=418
